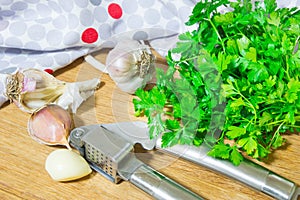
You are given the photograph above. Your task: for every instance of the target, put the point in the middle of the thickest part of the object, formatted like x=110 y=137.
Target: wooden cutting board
x=23 y=176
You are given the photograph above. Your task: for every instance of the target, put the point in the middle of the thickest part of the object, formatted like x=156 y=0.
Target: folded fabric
x=50 y=34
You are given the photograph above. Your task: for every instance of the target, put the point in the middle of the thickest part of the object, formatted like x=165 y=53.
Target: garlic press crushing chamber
x=114 y=158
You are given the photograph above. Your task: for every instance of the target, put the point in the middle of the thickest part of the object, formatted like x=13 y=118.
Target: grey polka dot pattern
x=130 y=6
x=18 y=59
x=34 y=34
x=105 y=31
x=168 y=12
x=6 y=2
x=140 y=35
x=96 y=2
x=62 y=58
x=67 y=5
x=17 y=28
x=146 y=3
x=55 y=7
x=119 y=26
x=152 y=16
x=60 y=22
x=13 y=42
x=54 y=37
x=47 y=62
x=32 y=45
x=7 y=13
x=134 y=22
x=3 y=25
x=43 y=10
x=31 y=1
x=173 y=25
x=71 y=38
x=83 y=3
x=100 y=14
x=86 y=18
x=72 y=21
x=51 y=34
x=30 y=14
x=17 y=6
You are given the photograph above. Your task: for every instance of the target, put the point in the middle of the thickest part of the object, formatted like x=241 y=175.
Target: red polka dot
x=49 y=71
x=89 y=35
x=115 y=11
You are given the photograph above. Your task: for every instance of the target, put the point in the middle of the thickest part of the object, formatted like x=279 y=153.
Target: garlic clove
x=66 y=165
x=43 y=79
x=131 y=65
x=26 y=87
x=50 y=125
x=32 y=88
x=131 y=86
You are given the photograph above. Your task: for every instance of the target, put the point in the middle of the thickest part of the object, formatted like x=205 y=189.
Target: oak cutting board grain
x=23 y=176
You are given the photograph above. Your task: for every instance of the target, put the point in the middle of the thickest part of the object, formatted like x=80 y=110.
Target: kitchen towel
x=50 y=34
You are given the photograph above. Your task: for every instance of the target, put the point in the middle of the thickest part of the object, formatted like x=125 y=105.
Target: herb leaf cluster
x=236 y=84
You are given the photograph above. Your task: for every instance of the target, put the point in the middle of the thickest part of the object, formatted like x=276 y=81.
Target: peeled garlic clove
x=66 y=165
x=50 y=125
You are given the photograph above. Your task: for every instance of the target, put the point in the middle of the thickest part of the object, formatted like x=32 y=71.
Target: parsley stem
x=249 y=103
x=188 y=59
x=217 y=32
x=278 y=107
x=293 y=126
x=287 y=66
x=276 y=122
x=274 y=135
x=168 y=113
x=296 y=45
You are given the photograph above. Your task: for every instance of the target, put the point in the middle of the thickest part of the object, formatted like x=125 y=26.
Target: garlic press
x=248 y=173
x=114 y=158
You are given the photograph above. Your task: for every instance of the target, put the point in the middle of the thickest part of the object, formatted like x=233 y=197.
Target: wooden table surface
x=22 y=160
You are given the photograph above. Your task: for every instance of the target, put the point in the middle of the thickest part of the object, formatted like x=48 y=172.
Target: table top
x=22 y=160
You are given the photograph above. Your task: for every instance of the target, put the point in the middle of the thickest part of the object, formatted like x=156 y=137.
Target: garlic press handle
x=247 y=172
x=160 y=186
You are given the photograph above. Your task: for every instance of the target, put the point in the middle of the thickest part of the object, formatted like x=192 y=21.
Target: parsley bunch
x=238 y=88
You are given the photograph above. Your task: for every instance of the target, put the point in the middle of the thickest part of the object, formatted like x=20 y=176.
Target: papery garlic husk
x=46 y=90
x=50 y=125
x=131 y=65
x=76 y=93
x=31 y=89
x=66 y=165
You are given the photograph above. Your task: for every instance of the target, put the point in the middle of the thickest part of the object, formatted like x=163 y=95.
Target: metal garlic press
x=114 y=158
x=249 y=173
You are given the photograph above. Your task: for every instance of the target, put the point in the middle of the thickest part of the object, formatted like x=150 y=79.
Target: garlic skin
x=130 y=65
x=31 y=89
x=66 y=165
x=76 y=93
x=50 y=125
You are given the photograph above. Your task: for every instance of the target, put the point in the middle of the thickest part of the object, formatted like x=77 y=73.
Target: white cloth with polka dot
x=51 y=34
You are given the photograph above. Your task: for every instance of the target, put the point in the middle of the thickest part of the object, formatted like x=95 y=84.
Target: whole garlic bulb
x=131 y=65
x=31 y=89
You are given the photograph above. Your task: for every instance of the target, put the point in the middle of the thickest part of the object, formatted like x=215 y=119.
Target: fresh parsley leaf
x=249 y=144
x=235 y=132
x=235 y=156
x=220 y=151
x=238 y=81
